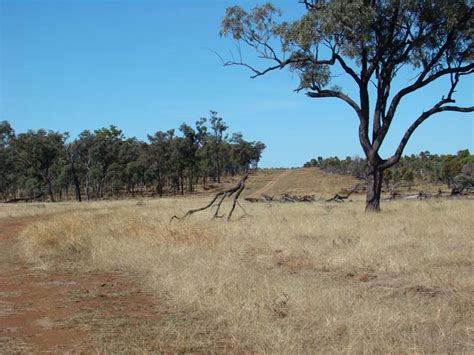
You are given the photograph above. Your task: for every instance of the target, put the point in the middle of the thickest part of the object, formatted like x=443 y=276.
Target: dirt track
x=269 y=185
x=46 y=311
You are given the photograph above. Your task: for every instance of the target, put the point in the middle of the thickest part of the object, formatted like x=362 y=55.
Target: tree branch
x=409 y=89
x=423 y=117
x=347 y=68
x=338 y=95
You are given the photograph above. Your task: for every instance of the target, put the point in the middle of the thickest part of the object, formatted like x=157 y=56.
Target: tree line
x=456 y=171
x=42 y=164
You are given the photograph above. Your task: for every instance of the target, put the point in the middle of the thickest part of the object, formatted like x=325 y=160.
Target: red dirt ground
x=37 y=306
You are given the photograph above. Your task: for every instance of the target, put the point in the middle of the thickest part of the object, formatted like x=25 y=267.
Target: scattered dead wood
x=393 y=195
x=284 y=198
x=252 y=199
x=455 y=191
x=24 y=199
x=268 y=198
x=297 y=198
x=220 y=197
x=341 y=198
x=423 y=195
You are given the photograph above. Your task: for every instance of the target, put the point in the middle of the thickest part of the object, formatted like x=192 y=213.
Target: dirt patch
x=46 y=311
x=269 y=185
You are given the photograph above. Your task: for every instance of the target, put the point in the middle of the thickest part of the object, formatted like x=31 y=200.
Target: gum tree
x=37 y=152
x=369 y=42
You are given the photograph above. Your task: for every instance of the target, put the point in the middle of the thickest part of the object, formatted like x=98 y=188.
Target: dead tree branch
x=24 y=199
x=234 y=191
x=341 y=198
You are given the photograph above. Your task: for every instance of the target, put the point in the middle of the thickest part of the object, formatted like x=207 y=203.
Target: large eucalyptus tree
x=369 y=42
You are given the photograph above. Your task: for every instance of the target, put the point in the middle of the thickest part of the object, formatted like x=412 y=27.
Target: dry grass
x=304 y=181
x=312 y=181
x=288 y=279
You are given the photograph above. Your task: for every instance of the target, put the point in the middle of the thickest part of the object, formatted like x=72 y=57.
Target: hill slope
x=305 y=181
x=311 y=181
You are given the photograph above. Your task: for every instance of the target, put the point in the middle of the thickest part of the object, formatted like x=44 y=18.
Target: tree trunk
x=159 y=188
x=101 y=187
x=88 y=197
x=77 y=186
x=190 y=183
x=374 y=190
x=50 y=190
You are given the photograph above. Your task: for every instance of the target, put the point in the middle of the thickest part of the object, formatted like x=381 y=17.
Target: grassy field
x=304 y=181
x=287 y=278
x=313 y=181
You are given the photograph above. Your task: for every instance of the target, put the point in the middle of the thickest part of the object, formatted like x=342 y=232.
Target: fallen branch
x=268 y=198
x=235 y=191
x=341 y=198
x=24 y=199
x=283 y=198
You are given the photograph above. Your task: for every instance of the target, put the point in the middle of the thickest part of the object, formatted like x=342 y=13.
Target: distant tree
x=188 y=153
x=6 y=134
x=450 y=168
x=408 y=177
x=216 y=142
x=105 y=163
x=136 y=165
x=73 y=158
x=204 y=154
x=387 y=178
x=104 y=153
x=129 y=169
x=160 y=152
x=7 y=166
x=82 y=151
x=37 y=151
x=462 y=182
x=370 y=41
x=244 y=155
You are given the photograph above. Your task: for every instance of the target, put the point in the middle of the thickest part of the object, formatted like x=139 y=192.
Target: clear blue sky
x=70 y=65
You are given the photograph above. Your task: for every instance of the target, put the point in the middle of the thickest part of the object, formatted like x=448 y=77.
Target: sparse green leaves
x=254 y=26
x=379 y=33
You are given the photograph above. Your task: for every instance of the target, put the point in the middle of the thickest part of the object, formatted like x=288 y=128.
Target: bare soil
x=269 y=184
x=59 y=311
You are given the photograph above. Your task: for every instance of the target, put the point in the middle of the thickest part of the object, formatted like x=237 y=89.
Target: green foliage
x=361 y=31
x=427 y=167
x=368 y=42
x=37 y=152
x=7 y=166
x=106 y=163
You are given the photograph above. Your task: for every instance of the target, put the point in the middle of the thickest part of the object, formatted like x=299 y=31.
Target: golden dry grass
x=304 y=181
x=290 y=278
x=312 y=181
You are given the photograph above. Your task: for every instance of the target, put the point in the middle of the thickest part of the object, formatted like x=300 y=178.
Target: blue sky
x=70 y=65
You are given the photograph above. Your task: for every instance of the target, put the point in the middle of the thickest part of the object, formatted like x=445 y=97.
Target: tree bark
x=374 y=190
x=50 y=190
x=190 y=183
x=236 y=191
x=159 y=188
x=87 y=189
x=77 y=186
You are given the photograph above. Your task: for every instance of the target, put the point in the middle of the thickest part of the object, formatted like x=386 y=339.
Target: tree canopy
x=370 y=42
x=104 y=163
